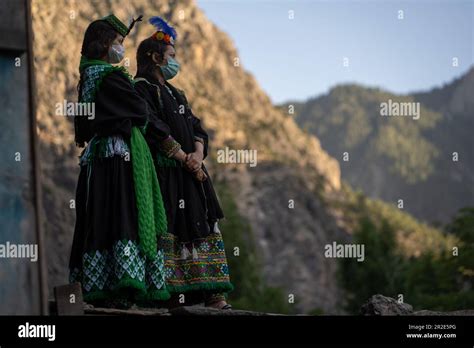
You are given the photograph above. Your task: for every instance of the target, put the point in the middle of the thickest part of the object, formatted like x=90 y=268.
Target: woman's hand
x=194 y=161
x=180 y=156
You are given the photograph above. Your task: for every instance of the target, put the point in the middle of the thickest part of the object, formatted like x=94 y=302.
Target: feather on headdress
x=165 y=32
x=132 y=23
x=119 y=26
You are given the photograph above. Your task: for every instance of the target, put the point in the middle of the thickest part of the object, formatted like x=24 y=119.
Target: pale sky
x=303 y=57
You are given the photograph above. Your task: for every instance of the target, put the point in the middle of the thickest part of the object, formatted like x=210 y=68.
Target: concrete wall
x=20 y=278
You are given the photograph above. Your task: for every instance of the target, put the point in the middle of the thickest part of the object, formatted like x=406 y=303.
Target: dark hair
x=145 y=63
x=97 y=39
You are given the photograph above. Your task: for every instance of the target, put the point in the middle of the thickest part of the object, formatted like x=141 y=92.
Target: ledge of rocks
x=377 y=305
x=383 y=305
x=183 y=311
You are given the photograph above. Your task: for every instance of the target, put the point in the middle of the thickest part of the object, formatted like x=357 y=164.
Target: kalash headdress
x=119 y=26
x=165 y=32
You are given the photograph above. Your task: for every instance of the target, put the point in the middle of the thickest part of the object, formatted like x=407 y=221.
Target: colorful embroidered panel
x=202 y=267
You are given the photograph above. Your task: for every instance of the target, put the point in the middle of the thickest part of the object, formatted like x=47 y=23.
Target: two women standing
x=147 y=213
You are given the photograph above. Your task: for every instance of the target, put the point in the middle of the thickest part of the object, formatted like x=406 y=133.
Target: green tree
x=446 y=282
x=434 y=280
x=378 y=273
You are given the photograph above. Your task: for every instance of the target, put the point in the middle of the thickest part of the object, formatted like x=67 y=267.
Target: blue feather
x=161 y=25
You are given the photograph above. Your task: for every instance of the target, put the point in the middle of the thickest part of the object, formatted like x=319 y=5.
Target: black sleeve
x=157 y=130
x=199 y=131
x=118 y=107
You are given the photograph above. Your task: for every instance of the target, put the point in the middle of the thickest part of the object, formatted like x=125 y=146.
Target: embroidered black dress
x=106 y=256
x=194 y=250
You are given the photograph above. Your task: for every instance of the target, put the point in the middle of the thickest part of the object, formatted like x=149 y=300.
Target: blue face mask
x=171 y=69
x=116 y=54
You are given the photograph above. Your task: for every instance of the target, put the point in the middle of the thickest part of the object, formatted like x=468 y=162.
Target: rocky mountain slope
x=237 y=113
x=414 y=155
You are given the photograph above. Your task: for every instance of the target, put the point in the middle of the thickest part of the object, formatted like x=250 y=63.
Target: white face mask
x=116 y=54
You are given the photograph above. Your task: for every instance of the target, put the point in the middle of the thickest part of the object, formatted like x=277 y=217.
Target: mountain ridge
x=414 y=157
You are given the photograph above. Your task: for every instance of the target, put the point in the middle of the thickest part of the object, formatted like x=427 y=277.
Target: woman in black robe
x=119 y=210
x=195 y=259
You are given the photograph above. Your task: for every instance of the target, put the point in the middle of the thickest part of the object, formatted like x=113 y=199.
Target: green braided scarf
x=151 y=212
x=152 y=221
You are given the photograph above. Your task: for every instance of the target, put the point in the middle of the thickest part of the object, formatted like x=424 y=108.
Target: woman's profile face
x=169 y=52
x=115 y=54
x=118 y=40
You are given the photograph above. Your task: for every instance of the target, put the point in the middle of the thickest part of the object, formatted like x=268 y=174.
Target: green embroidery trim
x=86 y=62
x=111 y=273
x=169 y=146
x=104 y=147
x=118 y=25
x=154 y=295
x=164 y=161
x=93 y=72
x=151 y=212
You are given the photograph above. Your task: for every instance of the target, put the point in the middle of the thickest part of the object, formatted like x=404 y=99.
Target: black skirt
x=105 y=256
x=192 y=208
